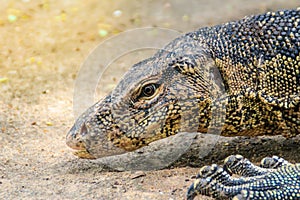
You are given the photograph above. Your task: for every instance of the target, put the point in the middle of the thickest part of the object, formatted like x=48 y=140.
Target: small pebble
x=3 y=79
x=193 y=177
x=138 y=174
x=49 y=123
x=45 y=91
x=102 y=32
x=117 y=13
x=173 y=192
x=117 y=183
x=12 y=18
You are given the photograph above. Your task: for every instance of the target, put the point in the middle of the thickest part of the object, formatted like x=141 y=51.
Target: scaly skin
x=246 y=70
x=275 y=179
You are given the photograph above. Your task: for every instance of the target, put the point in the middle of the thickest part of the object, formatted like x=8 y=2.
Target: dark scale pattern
x=259 y=60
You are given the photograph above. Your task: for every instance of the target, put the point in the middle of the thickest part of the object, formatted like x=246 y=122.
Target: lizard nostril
x=83 y=130
x=74 y=138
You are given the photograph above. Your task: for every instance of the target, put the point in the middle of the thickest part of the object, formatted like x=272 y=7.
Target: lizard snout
x=74 y=137
x=75 y=141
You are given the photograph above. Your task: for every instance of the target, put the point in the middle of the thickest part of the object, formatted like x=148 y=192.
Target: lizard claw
x=276 y=179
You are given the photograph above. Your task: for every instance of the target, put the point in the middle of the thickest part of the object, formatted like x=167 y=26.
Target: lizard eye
x=147 y=94
x=149 y=90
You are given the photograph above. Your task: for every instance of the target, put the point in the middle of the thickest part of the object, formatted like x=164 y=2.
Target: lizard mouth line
x=83 y=154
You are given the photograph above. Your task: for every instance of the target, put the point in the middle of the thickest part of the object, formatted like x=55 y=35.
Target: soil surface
x=43 y=45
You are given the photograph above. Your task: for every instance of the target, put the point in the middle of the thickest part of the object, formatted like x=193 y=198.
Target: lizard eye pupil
x=148 y=90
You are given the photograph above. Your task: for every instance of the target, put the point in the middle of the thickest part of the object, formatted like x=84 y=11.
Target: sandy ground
x=43 y=44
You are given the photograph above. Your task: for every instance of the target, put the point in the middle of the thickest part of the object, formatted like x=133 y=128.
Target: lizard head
x=156 y=98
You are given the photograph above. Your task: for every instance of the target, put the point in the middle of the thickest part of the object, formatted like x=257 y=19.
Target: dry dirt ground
x=42 y=46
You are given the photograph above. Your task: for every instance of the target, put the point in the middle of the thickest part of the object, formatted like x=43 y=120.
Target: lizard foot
x=276 y=178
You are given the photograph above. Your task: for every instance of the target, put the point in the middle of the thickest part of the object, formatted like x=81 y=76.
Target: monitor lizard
x=258 y=60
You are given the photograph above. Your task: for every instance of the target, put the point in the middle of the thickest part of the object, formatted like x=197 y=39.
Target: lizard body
x=258 y=60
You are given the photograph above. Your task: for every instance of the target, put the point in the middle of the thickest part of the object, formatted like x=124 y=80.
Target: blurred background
x=43 y=43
